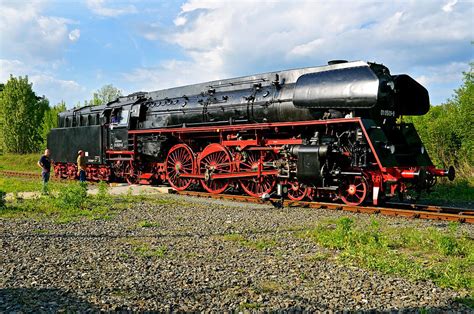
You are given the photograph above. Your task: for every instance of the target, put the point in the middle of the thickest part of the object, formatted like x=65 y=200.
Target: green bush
x=73 y=196
x=103 y=190
x=446 y=130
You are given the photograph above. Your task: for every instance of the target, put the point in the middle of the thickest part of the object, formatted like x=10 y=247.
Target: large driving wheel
x=72 y=171
x=180 y=160
x=215 y=159
x=353 y=190
x=296 y=191
x=253 y=161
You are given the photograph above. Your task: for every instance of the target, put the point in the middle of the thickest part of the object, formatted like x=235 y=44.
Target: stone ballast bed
x=180 y=255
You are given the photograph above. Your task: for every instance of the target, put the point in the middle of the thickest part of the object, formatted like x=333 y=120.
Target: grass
x=460 y=190
x=249 y=306
x=14 y=162
x=16 y=185
x=256 y=244
x=146 y=249
x=445 y=257
x=70 y=203
x=48 y=208
x=469 y=301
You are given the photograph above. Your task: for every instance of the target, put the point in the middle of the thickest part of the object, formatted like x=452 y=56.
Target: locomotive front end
x=377 y=150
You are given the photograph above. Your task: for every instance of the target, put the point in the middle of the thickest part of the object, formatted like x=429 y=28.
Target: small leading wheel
x=215 y=159
x=296 y=191
x=257 y=186
x=180 y=160
x=353 y=190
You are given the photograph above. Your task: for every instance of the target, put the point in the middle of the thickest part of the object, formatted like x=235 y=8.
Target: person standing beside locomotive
x=45 y=164
x=81 y=166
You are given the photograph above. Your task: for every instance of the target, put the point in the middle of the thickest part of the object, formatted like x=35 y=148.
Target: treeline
x=26 y=118
x=447 y=130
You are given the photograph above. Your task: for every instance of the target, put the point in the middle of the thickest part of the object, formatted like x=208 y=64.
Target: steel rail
x=35 y=175
x=10 y=173
x=463 y=215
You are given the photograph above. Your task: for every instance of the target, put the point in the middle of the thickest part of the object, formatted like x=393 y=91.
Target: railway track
x=463 y=215
x=9 y=173
x=422 y=211
x=32 y=175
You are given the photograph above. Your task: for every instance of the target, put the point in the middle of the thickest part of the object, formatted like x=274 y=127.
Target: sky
x=69 y=49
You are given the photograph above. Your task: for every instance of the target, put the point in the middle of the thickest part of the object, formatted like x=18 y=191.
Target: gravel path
x=186 y=254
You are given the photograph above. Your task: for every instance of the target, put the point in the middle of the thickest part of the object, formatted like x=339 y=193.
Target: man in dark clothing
x=45 y=164
x=81 y=166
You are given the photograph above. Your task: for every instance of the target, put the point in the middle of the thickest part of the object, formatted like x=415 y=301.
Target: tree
x=104 y=95
x=447 y=132
x=21 y=114
x=50 y=121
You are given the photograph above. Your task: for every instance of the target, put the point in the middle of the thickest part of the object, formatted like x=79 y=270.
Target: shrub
x=103 y=191
x=72 y=196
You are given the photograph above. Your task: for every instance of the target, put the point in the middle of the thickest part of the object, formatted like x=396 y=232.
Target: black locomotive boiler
x=332 y=131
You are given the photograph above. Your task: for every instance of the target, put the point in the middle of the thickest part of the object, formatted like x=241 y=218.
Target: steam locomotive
x=331 y=131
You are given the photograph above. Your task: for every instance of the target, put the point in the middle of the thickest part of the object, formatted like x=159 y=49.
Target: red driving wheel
x=180 y=160
x=258 y=185
x=215 y=159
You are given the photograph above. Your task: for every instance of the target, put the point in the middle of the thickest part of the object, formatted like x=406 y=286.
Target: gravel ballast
x=185 y=254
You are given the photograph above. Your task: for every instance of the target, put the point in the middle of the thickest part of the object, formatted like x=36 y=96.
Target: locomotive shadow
x=49 y=300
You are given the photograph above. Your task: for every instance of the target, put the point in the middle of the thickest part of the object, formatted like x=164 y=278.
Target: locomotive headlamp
x=422 y=149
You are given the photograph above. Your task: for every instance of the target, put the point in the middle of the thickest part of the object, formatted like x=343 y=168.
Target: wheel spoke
x=297 y=192
x=216 y=162
x=257 y=186
x=353 y=191
x=181 y=155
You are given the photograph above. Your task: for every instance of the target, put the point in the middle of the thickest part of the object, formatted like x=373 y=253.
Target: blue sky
x=69 y=49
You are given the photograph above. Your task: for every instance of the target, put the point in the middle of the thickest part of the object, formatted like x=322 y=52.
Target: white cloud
x=448 y=7
x=100 y=7
x=28 y=34
x=180 y=21
x=44 y=83
x=14 y=67
x=227 y=38
x=443 y=74
x=74 y=34
x=168 y=74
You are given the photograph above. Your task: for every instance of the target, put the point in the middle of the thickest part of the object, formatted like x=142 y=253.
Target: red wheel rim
x=353 y=190
x=257 y=186
x=296 y=192
x=180 y=160
x=130 y=173
x=215 y=159
x=72 y=172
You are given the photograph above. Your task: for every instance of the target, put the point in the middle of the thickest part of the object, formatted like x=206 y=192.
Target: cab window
x=123 y=117
x=120 y=117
